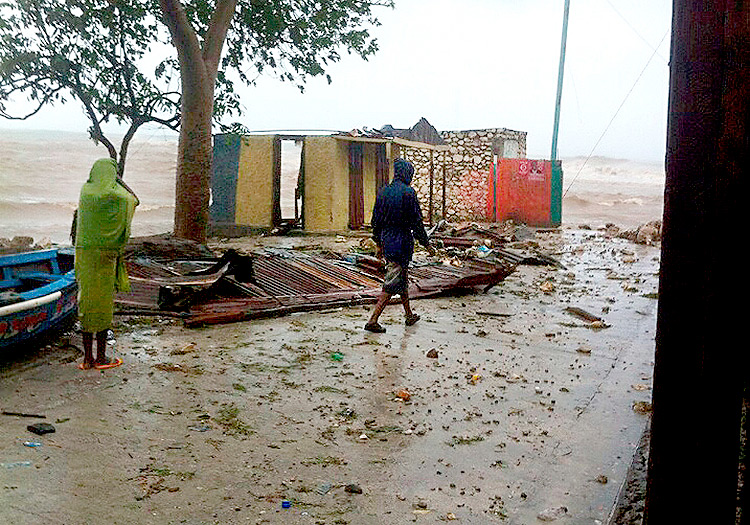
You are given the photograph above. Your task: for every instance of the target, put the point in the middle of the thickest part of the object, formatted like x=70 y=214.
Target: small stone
x=403 y=394
x=353 y=488
x=552 y=514
x=41 y=428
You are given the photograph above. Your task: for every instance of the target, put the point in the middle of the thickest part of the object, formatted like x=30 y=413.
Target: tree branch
x=95 y=131
x=125 y=144
x=42 y=103
x=185 y=40
x=217 y=33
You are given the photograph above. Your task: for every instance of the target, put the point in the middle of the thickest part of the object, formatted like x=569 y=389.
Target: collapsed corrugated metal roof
x=278 y=282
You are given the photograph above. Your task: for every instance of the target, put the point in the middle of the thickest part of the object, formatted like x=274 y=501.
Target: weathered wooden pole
x=443 y=188
x=432 y=181
x=701 y=361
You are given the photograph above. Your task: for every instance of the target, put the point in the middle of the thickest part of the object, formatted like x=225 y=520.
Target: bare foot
x=86 y=365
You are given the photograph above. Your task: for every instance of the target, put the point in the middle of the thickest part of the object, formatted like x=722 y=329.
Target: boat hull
x=41 y=309
x=36 y=317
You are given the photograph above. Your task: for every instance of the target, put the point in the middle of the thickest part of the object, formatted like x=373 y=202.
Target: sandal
x=111 y=363
x=375 y=328
x=86 y=365
x=411 y=319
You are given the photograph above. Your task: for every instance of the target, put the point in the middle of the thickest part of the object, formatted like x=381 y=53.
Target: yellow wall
x=369 y=168
x=326 y=203
x=254 y=204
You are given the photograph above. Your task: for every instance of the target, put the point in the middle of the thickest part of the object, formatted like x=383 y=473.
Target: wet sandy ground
x=527 y=410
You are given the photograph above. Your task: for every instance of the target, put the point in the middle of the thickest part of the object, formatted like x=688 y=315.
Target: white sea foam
x=600 y=190
x=41 y=173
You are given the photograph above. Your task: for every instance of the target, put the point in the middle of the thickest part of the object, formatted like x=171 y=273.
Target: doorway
x=290 y=196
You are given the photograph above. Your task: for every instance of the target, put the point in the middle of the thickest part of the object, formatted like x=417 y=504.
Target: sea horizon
x=41 y=172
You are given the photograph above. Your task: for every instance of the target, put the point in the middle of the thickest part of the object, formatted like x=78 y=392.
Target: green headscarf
x=105 y=209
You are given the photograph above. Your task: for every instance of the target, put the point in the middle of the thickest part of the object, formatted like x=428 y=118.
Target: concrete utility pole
x=701 y=342
x=560 y=71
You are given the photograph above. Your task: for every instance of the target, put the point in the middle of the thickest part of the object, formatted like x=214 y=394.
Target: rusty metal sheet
x=286 y=281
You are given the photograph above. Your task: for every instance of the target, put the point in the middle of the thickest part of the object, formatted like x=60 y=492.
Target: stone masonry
x=468 y=167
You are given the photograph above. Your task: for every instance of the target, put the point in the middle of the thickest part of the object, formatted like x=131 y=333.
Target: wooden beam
x=393 y=140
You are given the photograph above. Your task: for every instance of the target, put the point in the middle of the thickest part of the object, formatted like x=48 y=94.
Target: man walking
x=396 y=221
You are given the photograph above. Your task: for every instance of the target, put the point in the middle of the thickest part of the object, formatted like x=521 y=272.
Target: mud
x=521 y=412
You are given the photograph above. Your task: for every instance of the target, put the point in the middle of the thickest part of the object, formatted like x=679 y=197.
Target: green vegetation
x=323 y=460
x=229 y=420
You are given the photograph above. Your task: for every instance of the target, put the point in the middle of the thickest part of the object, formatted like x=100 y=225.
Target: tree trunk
x=198 y=69
x=194 y=163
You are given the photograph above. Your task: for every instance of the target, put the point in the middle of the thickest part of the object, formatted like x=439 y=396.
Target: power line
x=591 y=153
x=636 y=31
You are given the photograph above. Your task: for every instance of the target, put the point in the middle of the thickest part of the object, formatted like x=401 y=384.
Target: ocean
x=41 y=173
x=600 y=190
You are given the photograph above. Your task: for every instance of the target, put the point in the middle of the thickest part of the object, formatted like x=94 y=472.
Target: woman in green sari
x=105 y=211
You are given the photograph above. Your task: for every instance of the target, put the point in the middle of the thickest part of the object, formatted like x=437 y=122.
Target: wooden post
x=494 y=188
x=432 y=173
x=276 y=184
x=389 y=156
x=700 y=362
x=356 y=185
x=443 y=188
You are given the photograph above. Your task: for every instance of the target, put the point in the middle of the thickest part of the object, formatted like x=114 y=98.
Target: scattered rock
x=353 y=488
x=420 y=503
x=552 y=514
x=41 y=428
x=648 y=234
x=547 y=287
x=432 y=353
x=324 y=488
x=403 y=394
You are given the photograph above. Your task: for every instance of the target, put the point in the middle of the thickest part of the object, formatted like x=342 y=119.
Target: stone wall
x=466 y=168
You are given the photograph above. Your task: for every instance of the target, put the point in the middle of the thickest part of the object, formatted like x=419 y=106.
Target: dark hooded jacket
x=397 y=218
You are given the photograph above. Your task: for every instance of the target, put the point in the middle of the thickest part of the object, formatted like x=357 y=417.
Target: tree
x=216 y=43
x=89 y=50
x=297 y=39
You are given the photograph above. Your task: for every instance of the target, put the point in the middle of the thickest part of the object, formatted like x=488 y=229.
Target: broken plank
x=583 y=314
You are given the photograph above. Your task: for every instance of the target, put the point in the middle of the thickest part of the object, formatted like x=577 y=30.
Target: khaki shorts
x=396 y=278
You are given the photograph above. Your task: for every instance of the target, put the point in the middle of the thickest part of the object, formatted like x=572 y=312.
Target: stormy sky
x=472 y=64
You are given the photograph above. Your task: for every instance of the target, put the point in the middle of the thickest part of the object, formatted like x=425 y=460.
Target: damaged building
x=476 y=175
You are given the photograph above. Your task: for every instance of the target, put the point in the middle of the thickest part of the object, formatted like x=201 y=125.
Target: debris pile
x=19 y=244
x=276 y=282
x=648 y=233
x=181 y=279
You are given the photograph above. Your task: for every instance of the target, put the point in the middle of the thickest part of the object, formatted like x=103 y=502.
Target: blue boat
x=38 y=294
